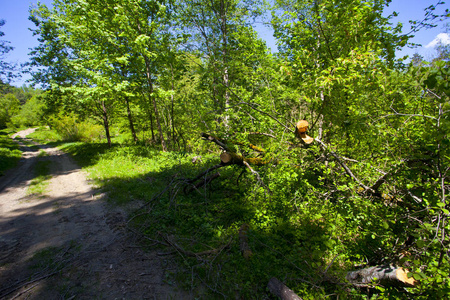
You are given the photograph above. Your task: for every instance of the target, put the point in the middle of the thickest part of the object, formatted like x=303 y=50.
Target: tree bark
x=106 y=122
x=386 y=275
x=243 y=241
x=155 y=107
x=280 y=290
x=130 y=120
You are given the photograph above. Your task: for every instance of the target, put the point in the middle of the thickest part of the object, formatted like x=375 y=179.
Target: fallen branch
x=280 y=290
x=216 y=141
x=379 y=182
x=243 y=241
x=231 y=158
x=206 y=181
x=257 y=177
x=386 y=275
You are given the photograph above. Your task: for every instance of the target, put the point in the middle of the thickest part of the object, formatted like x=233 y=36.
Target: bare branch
x=345 y=167
x=257 y=177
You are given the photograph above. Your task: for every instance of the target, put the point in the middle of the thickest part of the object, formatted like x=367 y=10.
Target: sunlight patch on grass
x=39 y=184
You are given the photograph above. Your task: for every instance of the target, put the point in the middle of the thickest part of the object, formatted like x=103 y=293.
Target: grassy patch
x=44 y=135
x=40 y=182
x=9 y=152
x=207 y=218
x=293 y=233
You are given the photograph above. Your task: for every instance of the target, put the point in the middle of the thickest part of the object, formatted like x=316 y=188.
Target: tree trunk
x=130 y=120
x=386 y=275
x=222 y=18
x=280 y=290
x=149 y=112
x=155 y=107
x=106 y=122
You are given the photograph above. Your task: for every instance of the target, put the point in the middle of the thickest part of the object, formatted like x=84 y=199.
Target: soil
x=69 y=243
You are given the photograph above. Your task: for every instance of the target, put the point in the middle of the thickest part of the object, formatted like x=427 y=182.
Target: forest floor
x=67 y=242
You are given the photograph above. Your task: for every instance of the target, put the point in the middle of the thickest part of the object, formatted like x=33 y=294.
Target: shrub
x=71 y=130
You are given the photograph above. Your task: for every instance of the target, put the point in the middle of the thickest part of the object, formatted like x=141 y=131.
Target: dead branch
x=280 y=290
x=216 y=141
x=387 y=275
x=257 y=177
x=231 y=158
x=243 y=241
x=206 y=181
x=380 y=181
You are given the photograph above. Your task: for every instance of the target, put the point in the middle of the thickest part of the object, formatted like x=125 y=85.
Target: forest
x=323 y=167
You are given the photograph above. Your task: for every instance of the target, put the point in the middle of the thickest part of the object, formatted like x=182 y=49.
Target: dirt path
x=68 y=243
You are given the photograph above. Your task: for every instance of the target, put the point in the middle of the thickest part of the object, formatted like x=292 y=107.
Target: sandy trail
x=68 y=243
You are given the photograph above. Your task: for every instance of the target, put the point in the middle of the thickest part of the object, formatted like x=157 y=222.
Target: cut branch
x=280 y=290
x=243 y=241
x=231 y=158
x=216 y=141
x=386 y=275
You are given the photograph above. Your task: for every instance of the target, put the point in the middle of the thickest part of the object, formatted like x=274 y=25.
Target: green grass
x=40 y=182
x=44 y=135
x=9 y=152
x=205 y=219
x=303 y=239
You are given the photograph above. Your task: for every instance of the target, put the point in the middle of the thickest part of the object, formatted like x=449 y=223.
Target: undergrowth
x=9 y=152
x=305 y=223
x=40 y=182
x=307 y=241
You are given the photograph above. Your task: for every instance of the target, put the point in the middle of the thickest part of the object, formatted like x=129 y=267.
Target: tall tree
x=6 y=69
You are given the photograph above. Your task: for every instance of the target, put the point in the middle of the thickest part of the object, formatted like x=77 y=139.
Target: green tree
x=10 y=107
x=6 y=69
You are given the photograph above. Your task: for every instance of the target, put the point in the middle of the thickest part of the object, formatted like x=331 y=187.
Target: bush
x=9 y=152
x=71 y=130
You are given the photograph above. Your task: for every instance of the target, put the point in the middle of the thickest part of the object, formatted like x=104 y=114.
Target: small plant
x=9 y=152
x=40 y=183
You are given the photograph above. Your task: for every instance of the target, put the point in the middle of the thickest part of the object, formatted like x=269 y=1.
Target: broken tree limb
x=300 y=131
x=231 y=158
x=216 y=141
x=205 y=172
x=379 y=182
x=206 y=181
x=386 y=275
x=257 y=177
x=243 y=241
x=280 y=290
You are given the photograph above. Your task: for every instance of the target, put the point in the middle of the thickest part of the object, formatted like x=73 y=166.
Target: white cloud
x=442 y=38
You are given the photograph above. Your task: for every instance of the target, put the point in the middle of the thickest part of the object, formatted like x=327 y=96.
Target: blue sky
x=15 y=13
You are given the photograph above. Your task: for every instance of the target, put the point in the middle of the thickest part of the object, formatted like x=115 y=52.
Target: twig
x=329 y=265
x=346 y=168
x=25 y=284
x=257 y=176
x=26 y=291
